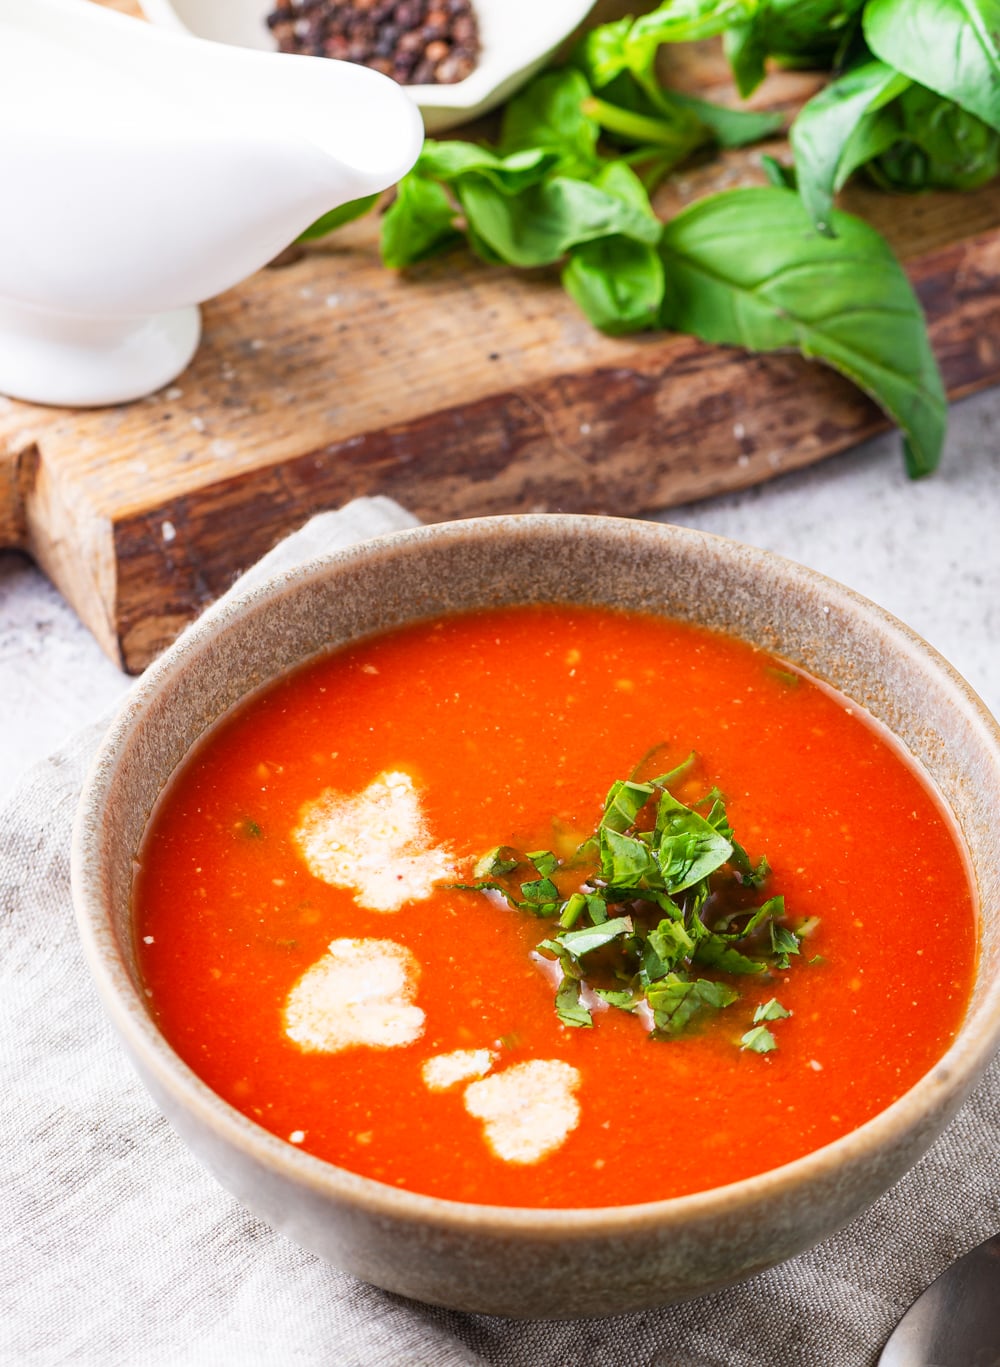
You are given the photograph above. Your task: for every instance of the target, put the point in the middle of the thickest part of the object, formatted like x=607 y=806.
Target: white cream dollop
x=529 y=1110
x=360 y=993
x=447 y=1070
x=375 y=842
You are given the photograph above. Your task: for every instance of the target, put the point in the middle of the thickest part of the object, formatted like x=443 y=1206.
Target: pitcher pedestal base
x=75 y=362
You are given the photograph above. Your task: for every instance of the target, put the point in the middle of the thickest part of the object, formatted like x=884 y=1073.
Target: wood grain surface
x=457 y=388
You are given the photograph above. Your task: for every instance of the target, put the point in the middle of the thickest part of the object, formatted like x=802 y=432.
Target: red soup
x=387 y=911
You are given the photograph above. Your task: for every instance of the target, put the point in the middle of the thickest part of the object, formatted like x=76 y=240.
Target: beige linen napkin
x=116 y=1247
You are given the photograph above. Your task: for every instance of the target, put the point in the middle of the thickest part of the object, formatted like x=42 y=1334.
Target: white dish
x=517 y=38
x=125 y=222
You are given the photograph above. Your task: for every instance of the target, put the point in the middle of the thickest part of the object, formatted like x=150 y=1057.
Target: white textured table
x=929 y=552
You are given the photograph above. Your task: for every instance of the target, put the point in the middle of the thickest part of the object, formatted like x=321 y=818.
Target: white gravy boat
x=144 y=171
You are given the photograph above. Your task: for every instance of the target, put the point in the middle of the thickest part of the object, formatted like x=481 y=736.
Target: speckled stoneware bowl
x=516 y=1261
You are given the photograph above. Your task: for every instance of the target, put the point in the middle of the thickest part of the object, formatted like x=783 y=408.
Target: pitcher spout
x=187 y=165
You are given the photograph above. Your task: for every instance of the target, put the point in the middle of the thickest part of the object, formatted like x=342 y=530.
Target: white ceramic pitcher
x=142 y=171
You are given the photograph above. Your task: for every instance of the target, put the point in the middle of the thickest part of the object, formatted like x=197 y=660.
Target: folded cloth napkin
x=118 y=1248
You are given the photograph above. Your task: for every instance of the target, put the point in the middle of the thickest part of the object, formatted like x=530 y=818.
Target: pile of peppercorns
x=416 y=42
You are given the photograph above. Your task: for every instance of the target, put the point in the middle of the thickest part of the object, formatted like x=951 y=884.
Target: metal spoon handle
x=956 y=1322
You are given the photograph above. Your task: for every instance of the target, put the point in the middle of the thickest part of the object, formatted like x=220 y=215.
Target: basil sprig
x=844 y=300
x=657 y=908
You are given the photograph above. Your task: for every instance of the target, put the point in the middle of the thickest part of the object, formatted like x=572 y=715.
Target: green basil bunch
x=913 y=103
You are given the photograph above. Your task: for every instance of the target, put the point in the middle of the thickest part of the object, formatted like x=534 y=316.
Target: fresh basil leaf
x=539 y=891
x=487 y=885
x=624 y=802
x=625 y=860
x=760 y=920
x=778 y=174
x=618 y=179
x=651 y=967
x=696 y=926
x=660 y=899
x=759 y=1040
x=687 y=847
x=746 y=51
x=686 y=853
x=765 y=915
x=715 y=952
x=481 y=248
x=569 y=1008
x=447 y=161
x=879 y=133
x=545 y=862
x=674 y=1001
x=783 y=943
x=807 y=32
x=624 y=1001
x=670 y=942
x=419 y=223
x=539 y=226
x=602 y=54
x=799 y=32
x=825 y=125
x=754 y=876
x=581 y=942
x=670 y=1004
x=930 y=143
x=731 y=127
x=684 y=21
x=336 y=218
x=717 y=818
x=770 y=1011
x=616 y=282
x=950 y=46
x=674 y=776
x=596 y=908
x=496 y=862
x=716 y=995
x=748 y=268
x=548 y=114
x=630 y=46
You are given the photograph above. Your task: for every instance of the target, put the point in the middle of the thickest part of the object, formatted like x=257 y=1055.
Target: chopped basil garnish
x=655 y=909
x=759 y=1040
x=770 y=1011
x=568 y=1007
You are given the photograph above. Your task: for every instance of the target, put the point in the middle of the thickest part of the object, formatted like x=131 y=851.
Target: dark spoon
x=956 y=1322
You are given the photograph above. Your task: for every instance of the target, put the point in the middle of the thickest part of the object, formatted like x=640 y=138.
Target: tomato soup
x=305 y=948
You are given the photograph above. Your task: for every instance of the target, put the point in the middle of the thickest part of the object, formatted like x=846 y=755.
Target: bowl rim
x=952 y=1077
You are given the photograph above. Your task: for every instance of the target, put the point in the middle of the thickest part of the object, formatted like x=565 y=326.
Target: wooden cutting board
x=458 y=389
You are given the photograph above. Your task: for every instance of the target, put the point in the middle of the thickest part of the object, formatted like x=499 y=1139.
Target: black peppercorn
x=416 y=42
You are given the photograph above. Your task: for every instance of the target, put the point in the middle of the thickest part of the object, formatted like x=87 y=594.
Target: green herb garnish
x=913 y=104
x=759 y=1040
x=658 y=909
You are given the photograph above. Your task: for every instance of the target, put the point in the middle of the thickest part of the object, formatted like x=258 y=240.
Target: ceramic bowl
x=518 y=36
x=518 y=1261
